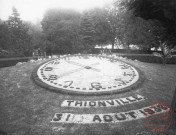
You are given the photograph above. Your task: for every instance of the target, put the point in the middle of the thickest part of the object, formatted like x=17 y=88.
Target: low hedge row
x=148 y=58
x=7 y=62
x=127 y=51
x=140 y=57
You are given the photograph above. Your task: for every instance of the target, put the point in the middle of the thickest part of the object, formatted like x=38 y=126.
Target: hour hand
x=76 y=70
x=85 y=66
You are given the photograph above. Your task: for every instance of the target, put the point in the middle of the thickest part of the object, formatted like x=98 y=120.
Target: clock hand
x=84 y=66
x=70 y=72
x=73 y=71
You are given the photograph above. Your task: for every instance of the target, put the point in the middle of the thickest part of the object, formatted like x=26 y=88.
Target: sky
x=33 y=10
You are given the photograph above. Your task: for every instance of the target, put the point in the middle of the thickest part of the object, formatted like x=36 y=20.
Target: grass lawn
x=27 y=109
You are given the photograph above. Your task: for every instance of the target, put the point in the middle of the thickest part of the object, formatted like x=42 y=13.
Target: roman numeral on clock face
x=120 y=81
x=68 y=83
x=54 y=62
x=127 y=74
x=48 y=69
x=96 y=85
x=123 y=66
x=52 y=77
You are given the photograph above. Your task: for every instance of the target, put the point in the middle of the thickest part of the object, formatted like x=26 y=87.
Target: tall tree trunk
x=113 y=42
x=128 y=46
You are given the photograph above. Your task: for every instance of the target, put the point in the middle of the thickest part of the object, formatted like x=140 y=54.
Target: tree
x=36 y=35
x=112 y=20
x=101 y=26
x=4 y=39
x=61 y=30
x=115 y=18
x=20 y=40
x=4 y=36
x=161 y=10
x=132 y=29
x=87 y=31
x=141 y=32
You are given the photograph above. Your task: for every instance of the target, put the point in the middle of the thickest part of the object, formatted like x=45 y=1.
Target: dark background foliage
x=144 y=23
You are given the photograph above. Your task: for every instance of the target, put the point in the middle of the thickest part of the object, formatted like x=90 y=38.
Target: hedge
x=6 y=62
x=148 y=58
x=128 y=51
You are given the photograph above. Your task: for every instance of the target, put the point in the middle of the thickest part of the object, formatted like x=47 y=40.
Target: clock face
x=86 y=74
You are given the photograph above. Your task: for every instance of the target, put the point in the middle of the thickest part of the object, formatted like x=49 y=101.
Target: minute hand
x=73 y=71
x=84 y=66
